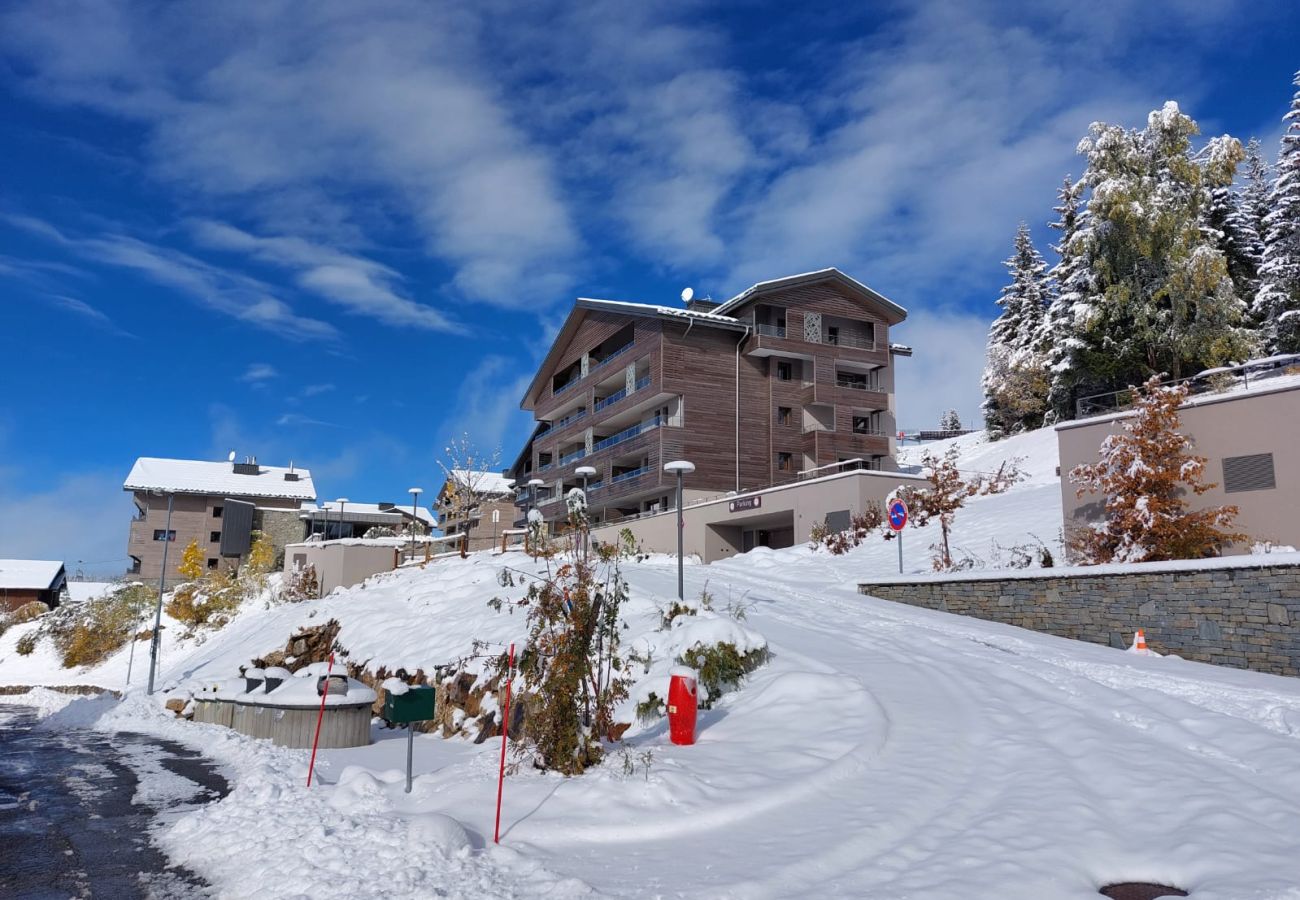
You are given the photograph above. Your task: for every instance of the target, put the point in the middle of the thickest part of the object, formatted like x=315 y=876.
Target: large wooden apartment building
x=789 y=376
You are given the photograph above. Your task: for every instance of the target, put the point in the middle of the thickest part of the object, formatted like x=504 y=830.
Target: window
x=214 y=537
x=212 y=563
x=832 y=335
x=216 y=512
x=1248 y=473
x=161 y=535
x=864 y=425
x=784 y=371
x=783 y=415
x=784 y=462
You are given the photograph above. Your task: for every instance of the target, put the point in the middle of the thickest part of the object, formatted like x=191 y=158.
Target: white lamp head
x=585 y=471
x=415 y=490
x=680 y=466
x=343 y=500
x=535 y=482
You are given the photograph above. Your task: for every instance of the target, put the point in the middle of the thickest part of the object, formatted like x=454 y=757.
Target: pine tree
x=1071 y=310
x=950 y=421
x=1144 y=474
x=1014 y=378
x=1226 y=222
x=1277 y=305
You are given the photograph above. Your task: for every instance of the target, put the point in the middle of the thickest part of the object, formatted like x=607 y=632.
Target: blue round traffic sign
x=897 y=515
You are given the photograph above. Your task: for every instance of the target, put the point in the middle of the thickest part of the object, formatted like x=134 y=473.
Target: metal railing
x=1209 y=381
x=563 y=423
x=870 y=384
x=777 y=331
x=606 y=360
x=629 y=475
x=557 y=391
x=627 y=434
x=641 y=384
x=849 y=340
x=574 y=456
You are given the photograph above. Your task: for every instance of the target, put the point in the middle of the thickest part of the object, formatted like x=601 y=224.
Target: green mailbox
x=416 y=705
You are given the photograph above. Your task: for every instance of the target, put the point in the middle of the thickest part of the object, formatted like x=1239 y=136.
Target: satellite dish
x=687 y=294
x=231 y=457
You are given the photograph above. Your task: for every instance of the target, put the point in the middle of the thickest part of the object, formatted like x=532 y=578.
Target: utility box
x=416 y=705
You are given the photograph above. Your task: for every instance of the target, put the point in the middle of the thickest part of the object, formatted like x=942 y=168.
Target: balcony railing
x=574 y=456
x=557 y=391
x=869 y=385
x=776 y=331
x=612 y=356
x=563 y=423
x=613 y=398
x=848 y=340
x=626 y=434
x=629 y=475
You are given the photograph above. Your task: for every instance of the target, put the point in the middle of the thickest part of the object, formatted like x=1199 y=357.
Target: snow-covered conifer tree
x=1226 y=220
x=1015 y=381
x=1072 y=308
x=1277 y=305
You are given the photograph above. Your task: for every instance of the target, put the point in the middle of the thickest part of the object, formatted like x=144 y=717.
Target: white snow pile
x=882 y=751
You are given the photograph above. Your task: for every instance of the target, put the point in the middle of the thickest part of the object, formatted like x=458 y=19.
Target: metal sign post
x=897 y=522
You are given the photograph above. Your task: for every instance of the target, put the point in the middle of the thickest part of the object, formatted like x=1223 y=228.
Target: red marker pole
x=505 y=728
x=319 y=718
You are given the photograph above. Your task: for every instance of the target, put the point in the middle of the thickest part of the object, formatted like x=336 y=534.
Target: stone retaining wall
x=1242 y=616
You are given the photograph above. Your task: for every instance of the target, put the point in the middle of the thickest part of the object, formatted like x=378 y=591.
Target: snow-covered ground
x=884 y=751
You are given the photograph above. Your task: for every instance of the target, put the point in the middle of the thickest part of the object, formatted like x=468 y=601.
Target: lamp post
x=343 y=505
x=162 y=582
x=585 y=472
x=533 y=485
x=415 y=493
x=680 y=468
x=325 y=528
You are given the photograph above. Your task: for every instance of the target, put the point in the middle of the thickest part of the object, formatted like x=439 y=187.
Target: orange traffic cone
x=1139 y=642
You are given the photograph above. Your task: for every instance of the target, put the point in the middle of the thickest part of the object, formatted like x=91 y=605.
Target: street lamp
x=585 y=472
x=162 y=582
x=533 y=485
x=415 y=493
x=680 y=468
x=343 y=505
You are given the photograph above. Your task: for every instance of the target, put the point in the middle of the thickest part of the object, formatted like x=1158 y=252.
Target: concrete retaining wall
x=1240 y=613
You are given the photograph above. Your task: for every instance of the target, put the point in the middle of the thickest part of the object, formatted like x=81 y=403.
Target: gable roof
x=193 y=476
x=30 y=574
x=381 y=512
x=789 y=281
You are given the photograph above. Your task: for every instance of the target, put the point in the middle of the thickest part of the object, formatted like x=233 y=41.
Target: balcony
x=630 y=475
x=848 y=340
x=562 y=423
x=626 y=434
x=613 y=398
x=573 y=457
x=606 y=360
x=776 y=331
x=868 y=384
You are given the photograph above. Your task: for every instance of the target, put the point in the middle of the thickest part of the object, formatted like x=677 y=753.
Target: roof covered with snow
x=357 y=511
x=29 y=574
x=194 y=476
x=789 y=281
x=81 y=591
x=481 y=482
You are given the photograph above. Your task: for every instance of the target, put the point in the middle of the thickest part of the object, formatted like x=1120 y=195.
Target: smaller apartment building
x=1251 y=441
x=476 y=504
x=791 y=376
x=217 y=504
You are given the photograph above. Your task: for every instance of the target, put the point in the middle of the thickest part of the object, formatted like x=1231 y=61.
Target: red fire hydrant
x=682 y=704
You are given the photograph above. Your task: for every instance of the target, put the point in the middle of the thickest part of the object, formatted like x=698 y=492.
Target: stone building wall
x=1245 y=616
x=282 y=526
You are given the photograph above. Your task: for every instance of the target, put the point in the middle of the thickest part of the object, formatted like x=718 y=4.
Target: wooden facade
x=790 y=376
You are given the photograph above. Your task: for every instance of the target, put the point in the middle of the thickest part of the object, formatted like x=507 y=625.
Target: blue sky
x=342 y=233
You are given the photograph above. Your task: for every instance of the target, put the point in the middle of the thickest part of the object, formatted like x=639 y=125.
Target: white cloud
x=487 y=409
x=359 y=285
x=945 y=371
x=257 y=372
x=81 y=517
x=325 y=100
x=230 y=293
